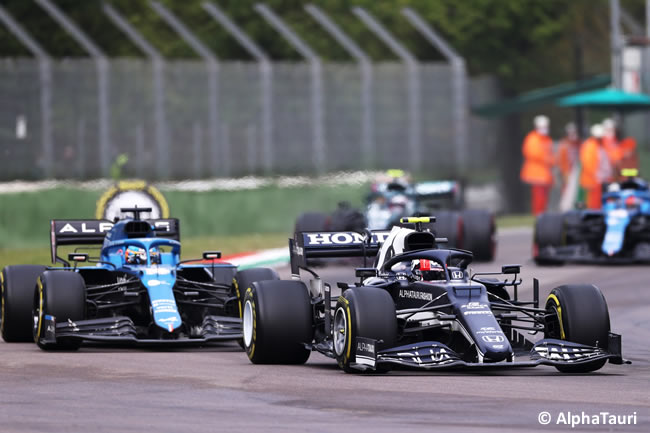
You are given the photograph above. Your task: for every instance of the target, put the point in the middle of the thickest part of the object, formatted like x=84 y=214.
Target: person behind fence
x=611 y=144
x=568 y=152
x=596 y=166
x=538 y=161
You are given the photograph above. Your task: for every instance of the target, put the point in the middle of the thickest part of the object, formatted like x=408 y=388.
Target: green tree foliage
x=527 y=43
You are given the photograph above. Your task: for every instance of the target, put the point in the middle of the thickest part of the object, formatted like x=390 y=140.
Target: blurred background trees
x=526 y=43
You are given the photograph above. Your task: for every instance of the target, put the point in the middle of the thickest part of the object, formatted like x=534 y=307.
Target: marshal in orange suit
x=538 y=161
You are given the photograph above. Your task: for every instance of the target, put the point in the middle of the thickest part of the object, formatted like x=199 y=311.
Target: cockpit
x=135 y=255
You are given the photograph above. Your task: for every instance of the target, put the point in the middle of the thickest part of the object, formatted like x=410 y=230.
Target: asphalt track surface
x=216 y=388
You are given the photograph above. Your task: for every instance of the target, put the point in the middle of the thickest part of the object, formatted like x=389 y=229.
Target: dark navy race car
x=617 y=233
x=419 y=307
x=135 y=291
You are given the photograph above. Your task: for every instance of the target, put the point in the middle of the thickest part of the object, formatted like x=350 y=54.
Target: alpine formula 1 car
x=419 y=307
x=619 y=232
x=137 y=291
x=395 y=197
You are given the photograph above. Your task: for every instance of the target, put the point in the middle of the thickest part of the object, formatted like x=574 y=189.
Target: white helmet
x=597 y=130
x=541 y=123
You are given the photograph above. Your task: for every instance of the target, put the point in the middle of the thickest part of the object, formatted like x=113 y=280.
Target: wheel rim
x=248 y=323
x=36 y=318
x=340 y=331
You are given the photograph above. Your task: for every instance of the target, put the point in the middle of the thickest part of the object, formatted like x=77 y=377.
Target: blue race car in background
x=136 y=291
x=617 y=233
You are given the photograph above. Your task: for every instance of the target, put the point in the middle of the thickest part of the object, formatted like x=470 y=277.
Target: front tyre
x=578 y=313
x=61 y=294
x=367 y=312
x=277 y=322
x=17 y=292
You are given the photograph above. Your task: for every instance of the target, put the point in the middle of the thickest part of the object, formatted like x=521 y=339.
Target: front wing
x=581 y=254
x=431 y=355
x=121 y=330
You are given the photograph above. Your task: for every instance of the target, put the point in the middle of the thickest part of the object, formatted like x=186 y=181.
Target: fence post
x=365 y=65
x=412 y=83
x=213 y=80
x=101 y=63
x=459 y=85
x=158 y=64
x=318 y=138
x=45 y=79
x=266 y=80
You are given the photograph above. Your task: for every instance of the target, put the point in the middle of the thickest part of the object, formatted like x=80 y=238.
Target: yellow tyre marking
x=251 y=353
x=40 y=309
x=239 y=300
x=345 y=302
x=559 y=314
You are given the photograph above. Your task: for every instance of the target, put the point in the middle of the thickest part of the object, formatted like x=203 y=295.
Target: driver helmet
x=613 y=187
x=154 y=253
x=427 y=270
x=398 y=201
x=135 y=255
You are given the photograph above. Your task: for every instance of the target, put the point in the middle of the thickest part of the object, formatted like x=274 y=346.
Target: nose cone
x=163 y=303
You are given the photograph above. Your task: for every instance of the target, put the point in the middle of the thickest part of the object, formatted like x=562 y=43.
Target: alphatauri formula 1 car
x=136 y=291
x=395 y=197
x=419 y=307
x=619 y=232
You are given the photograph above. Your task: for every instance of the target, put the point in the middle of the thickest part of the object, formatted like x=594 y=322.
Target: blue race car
x=137 y=291
x=617 y=233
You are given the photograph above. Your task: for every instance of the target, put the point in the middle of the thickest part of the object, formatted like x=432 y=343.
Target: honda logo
x=457 y=275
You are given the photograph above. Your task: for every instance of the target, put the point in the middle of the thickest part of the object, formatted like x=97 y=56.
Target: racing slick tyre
x=449 y=224
x=366 y=312
x=479 y=234
x=578 y=313
x=245 y=279
x=17 y=285
x=61 y=294
x=311 y=222
x=277 y=322
x=549 y=228
x=345 y=219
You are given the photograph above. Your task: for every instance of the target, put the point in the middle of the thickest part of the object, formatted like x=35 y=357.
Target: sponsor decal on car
x=342 y=238
x=493 y=338
x=366 y=352
x=415 y=294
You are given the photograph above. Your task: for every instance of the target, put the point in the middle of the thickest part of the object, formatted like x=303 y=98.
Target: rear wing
x=437 y=189
x=93 y=232
x=316 y=245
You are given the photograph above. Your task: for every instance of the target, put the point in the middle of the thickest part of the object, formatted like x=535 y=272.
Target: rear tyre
x=277 y=322
x=578 y=313
x=245 y=279
x=363 y=312
x=311 y=222
x=346 y=219
x=17 y=285
x=449 y=224
x=479 y=234
x=61 y=294
x=549 y=231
